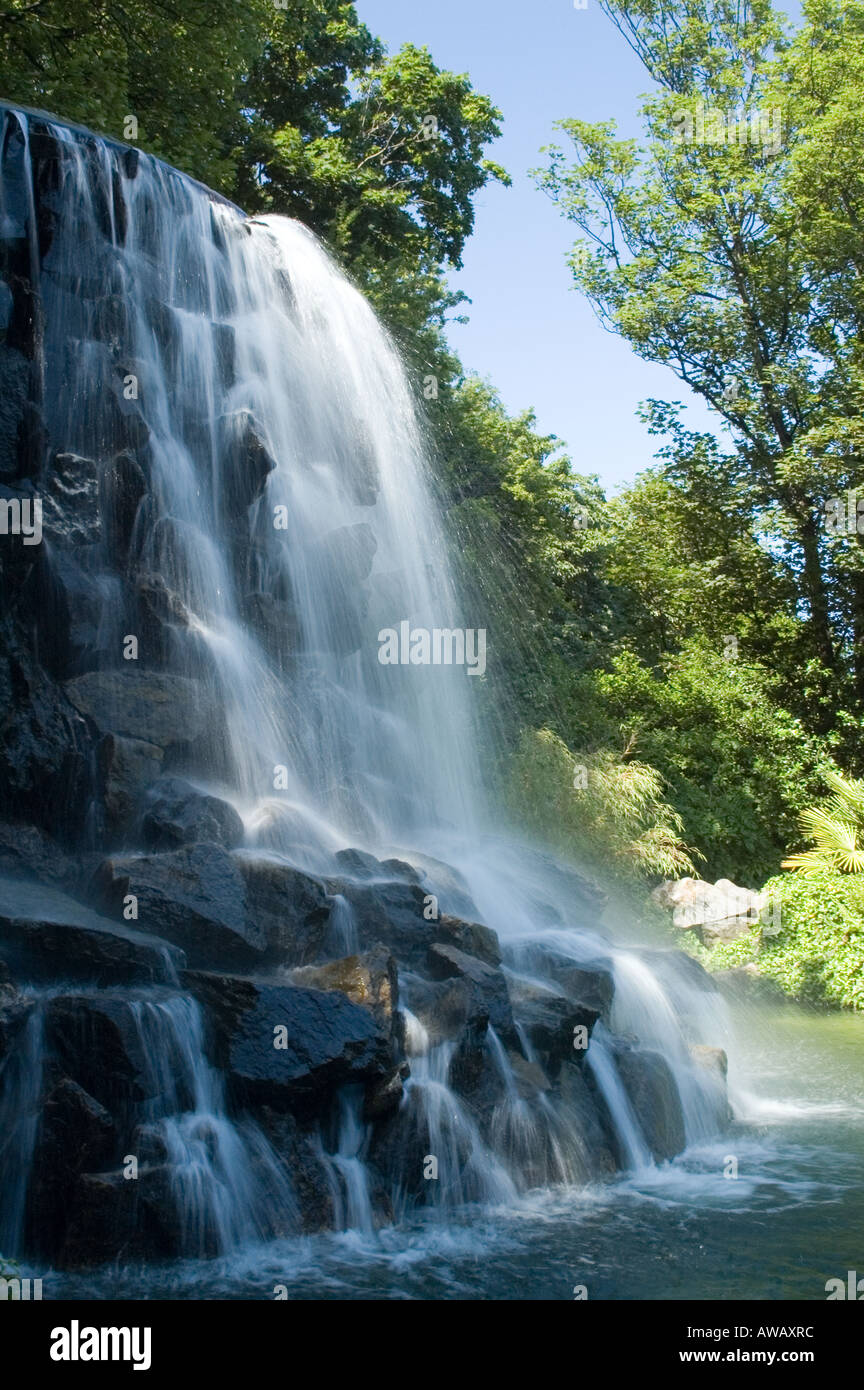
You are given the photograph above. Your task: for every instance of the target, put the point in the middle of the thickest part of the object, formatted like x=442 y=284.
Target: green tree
x=173 y=66
x=699 y=248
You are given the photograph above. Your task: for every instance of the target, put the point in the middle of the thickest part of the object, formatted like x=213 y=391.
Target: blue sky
x=530 y=332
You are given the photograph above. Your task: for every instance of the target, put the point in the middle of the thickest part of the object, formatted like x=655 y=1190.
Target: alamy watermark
x=437 y=646
x=709 y=125
x=844 y=516
x=21 y=517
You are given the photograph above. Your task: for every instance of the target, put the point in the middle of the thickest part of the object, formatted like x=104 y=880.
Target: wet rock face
x=288 y=1047
x=76 y=1135
x=194 y=897
x=370 y=980
x=653 y=1094
x=178 y=815
x=291 y=908
x=151 y=706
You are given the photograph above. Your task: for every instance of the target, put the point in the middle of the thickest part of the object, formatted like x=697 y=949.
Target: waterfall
x=226 y=1183
x=287 y=520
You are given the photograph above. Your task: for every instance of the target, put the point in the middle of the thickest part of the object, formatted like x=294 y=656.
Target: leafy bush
x=602 y=807
x=728 y=954
x=817 y=954
x=737 y=767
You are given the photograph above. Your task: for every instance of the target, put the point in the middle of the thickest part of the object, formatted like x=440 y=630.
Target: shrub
x=602 y=807
x=817 y=954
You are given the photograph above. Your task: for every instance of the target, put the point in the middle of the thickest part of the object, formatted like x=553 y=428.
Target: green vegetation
x=817 y=954
x=604 y=809
x=837 y=828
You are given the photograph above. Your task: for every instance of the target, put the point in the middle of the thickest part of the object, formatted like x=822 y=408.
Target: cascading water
x=286 y=521
x=227 y=1186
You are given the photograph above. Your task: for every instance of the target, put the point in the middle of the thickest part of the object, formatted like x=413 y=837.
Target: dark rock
x=328 y=1041
x=70 y=602
x=395 y=914
x=653 y=1094
x=473 y=1073
x=581 y=1118
x=484 y=981
x=148 y=705
x=127 y=766
x=115 y=1219
x=25 y=852
x=45 y=950
x=383 y=1096
x=14 y=1011
x=444 y=1008
x=98 y=1042
x=299 y=1149
x=446 y=883
x=46 y=749
x=247 y=462
x=588 y=983
x=291 y=908
x=75 y=1134
x=179 y=814
x=369 y=980
x=472 y=938
x=194 y=896
x=550 y=1023
x=123 y=488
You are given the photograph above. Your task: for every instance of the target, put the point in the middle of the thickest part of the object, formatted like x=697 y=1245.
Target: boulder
x=127 y=766
x=298 y=1146
x=588 y=1147
x=75 y=1134
x=721 y=911
x=149 y=705
x=327 y=1041
x=113 y=1219
x=550 y=1022
x=589 y=983
x=369 y=980
x=26 y=853
x=446 y=883
x=98 y=1042
x=485 y=983
x=647 y=1078
x=395 y=913
x=46 y=935
x=247 y=462
x=46 y=747
x=195 y=897
x=123 y=488
x=290 y=908
x=178 y=814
